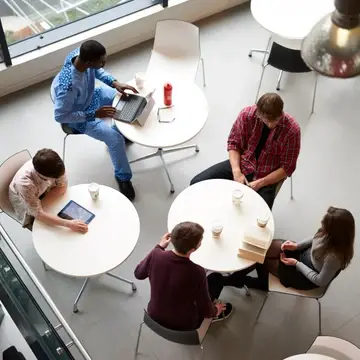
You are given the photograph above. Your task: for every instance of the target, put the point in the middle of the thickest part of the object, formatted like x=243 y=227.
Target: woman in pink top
x=43 y=175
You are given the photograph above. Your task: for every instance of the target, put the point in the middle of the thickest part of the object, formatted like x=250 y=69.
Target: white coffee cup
x=140 y=80
x=217 y=228
x=94 y=190
x=237 y=195
x=262 y=220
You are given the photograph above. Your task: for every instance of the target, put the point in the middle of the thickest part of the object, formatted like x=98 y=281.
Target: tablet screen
x=74 y=211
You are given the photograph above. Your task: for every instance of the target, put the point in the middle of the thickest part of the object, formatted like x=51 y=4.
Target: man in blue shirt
x=82 y=107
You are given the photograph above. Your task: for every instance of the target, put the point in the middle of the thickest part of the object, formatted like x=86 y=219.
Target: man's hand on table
x=121 y=88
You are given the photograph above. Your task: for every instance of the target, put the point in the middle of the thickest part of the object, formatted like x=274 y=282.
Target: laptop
x=134 y=108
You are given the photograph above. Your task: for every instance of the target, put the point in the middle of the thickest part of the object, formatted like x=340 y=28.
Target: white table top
x=291 y=19
x=111 y=238
x=211 y=200
x=310 y=357
x=190 y=112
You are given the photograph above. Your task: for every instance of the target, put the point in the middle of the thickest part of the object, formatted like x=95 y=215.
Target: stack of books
x=255 y=244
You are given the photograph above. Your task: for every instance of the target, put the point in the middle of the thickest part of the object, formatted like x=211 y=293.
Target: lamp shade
x=332 y=48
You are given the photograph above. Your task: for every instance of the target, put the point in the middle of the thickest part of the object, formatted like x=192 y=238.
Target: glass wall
x=42 y=338
x=31 y=24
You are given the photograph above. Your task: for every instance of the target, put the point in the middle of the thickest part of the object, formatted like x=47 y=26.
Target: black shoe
x=127 y=189
x=225 y=314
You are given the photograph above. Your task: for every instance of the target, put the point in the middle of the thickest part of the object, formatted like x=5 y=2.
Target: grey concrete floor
x=327 y=174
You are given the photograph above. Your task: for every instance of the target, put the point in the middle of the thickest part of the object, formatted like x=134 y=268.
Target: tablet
x=74 y=211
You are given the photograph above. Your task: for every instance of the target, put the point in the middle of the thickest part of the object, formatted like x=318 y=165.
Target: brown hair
x=270 y=105
x=186 y=236
x=338 y=234
x=48 y=163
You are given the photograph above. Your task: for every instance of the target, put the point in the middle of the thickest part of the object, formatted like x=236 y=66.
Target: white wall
x=42 y=64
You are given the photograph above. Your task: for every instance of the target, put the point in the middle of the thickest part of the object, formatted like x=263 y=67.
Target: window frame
x=68 y=30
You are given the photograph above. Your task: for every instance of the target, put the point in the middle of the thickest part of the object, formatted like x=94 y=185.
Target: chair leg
x=291 y=189
x=267 y=51
x=261 y=51
x=202 y=351
x=203 y=71
x=319 y=304
x=262 y=306
x=314 y=95
x=64 y=147
x=261 y=78
x=138 y=340
x=279 y=80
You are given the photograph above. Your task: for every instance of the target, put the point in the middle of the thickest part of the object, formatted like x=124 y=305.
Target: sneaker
x=127 y=189
x=225 y=314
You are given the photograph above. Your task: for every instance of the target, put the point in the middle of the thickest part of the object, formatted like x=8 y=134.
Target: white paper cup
x=237 y=195
x=94 y=190
x=140 y=80
x=217 y=228
x=262 y=221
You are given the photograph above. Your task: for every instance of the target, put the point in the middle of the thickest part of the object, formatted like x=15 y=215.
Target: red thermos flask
x=168 y=94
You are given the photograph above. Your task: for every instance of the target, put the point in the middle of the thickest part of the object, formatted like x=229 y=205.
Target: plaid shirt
x=281 y=149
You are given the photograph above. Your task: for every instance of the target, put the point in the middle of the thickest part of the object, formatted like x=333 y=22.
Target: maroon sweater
x=179 y=297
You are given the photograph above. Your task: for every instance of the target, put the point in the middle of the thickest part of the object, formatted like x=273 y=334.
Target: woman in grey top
x=307 y=264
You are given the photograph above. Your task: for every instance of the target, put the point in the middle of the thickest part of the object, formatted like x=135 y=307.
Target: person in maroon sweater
x=181 y=294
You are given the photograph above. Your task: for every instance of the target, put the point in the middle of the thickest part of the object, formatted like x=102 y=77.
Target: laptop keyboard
x=133 y=106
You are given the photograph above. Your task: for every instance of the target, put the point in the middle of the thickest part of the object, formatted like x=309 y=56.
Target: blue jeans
x=111 y=136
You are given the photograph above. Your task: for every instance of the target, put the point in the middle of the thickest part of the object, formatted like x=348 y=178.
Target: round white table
x=309 y=357
x=190 y=112
x=290 y=19
x=211 y=200
x=111 y=238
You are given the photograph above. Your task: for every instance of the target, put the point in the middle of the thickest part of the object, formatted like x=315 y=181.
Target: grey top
x=326 y=268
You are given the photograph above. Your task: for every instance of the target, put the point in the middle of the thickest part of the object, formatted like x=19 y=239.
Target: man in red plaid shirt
x=263 y=145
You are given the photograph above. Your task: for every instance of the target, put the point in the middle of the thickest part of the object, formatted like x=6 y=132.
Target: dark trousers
x=223 y=171
x=215 y=285
x=239 y=278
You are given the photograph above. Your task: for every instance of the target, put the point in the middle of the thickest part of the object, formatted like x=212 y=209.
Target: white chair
x=336 y=348
x=192 y=337
x=8 y=169
x=275 y=286
x=176 y=53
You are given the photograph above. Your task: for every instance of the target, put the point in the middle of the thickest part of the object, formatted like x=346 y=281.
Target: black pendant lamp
x=332 y=48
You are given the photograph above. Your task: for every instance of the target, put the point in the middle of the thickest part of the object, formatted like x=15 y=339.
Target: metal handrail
x=44 y=293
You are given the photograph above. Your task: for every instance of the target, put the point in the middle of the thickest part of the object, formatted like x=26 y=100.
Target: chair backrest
x=179 y=337
x=285 y=59
x=336 y=348
x=8 y=169
x=177 y=38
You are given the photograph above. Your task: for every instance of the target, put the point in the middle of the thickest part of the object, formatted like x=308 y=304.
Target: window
x=31 y=24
